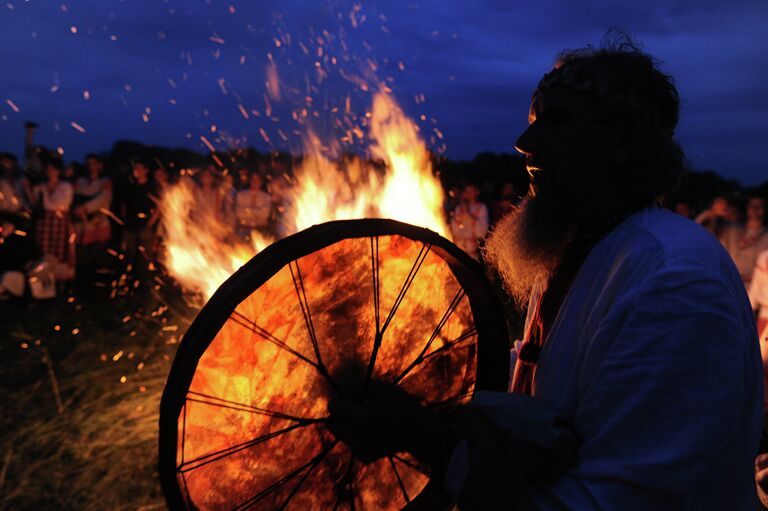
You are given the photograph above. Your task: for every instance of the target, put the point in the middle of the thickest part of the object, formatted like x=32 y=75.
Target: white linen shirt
x=58 y=200
x=653 y=360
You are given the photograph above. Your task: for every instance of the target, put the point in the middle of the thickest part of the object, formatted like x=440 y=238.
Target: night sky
x=171 y=72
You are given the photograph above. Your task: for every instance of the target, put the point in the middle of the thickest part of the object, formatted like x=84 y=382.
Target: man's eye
x=548 y=117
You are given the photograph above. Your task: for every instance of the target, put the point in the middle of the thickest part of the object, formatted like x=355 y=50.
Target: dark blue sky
x=165 y=72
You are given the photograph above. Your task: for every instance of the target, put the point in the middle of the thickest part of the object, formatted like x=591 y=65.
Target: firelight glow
x=201 y=254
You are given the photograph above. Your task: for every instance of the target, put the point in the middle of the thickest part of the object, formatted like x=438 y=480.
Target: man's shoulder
x=655 y=247
x=670 y=240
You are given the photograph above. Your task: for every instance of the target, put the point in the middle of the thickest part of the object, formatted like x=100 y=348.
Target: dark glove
x=388 y=421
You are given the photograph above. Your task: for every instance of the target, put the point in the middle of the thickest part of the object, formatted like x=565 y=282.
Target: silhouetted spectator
x=160 y=181
x=504 y=204
x=683 y=208
x=469 y=222
x=137 y=209
x=93 y=197
x=11 y=187
x=758 y=291
x=207 y=206
x=716 y=218
x=227 y=195
x=745 y=241
x=243 y=178
x=51 y=201
x=72 y=171
x=252 y=208
x=280 y=191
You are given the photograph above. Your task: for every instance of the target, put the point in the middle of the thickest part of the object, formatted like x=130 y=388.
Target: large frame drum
x=318 y=314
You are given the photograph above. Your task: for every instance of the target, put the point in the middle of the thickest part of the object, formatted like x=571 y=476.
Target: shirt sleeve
x=670 y=374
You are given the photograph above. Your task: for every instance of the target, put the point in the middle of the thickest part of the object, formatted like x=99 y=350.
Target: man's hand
x=389 y=420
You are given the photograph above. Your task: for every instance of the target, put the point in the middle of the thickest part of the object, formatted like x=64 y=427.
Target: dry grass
x=101 y=451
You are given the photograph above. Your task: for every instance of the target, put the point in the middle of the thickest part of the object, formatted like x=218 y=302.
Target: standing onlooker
x=505 y=203
x=51 y=200
x=207 y=208
x=252 y=208
x=280 y=191
x=716 y=218
x=243 y=178
x=93 y=197
x=758 y=292
x=11 y=188
x=745 y=241
x=160 y=181
x=684 y=209
x=71 y=172
x=469 y=223
x=137 y=210
x=227 y=195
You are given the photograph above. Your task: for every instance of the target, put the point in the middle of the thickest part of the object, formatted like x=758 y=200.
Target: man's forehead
x=557 y=98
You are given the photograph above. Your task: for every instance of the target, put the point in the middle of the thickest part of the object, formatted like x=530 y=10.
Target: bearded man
x=638 y=381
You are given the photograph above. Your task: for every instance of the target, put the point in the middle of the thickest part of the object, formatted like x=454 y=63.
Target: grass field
x=80 y=385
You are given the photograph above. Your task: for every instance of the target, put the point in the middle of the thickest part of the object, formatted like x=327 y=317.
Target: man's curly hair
x=626 y=83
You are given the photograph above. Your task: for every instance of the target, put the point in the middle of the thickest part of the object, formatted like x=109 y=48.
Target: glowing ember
x=201 y=253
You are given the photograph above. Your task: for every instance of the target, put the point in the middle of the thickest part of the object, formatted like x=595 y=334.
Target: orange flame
x=201 y=253
x=256 y=409
x=200 y=250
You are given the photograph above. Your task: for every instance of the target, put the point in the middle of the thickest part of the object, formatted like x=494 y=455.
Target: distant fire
x=201 y=254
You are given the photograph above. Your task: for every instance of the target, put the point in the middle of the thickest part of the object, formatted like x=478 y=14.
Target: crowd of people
x=743 y=232
x=739 y=222
x=59 y=222
x=58 y=225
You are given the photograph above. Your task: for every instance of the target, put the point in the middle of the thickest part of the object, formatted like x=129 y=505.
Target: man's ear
x=625 y=138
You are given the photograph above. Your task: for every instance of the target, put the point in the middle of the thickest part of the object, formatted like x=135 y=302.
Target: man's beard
x=527 y=244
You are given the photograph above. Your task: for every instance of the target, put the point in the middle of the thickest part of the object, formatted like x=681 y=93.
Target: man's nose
x=529 y=141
